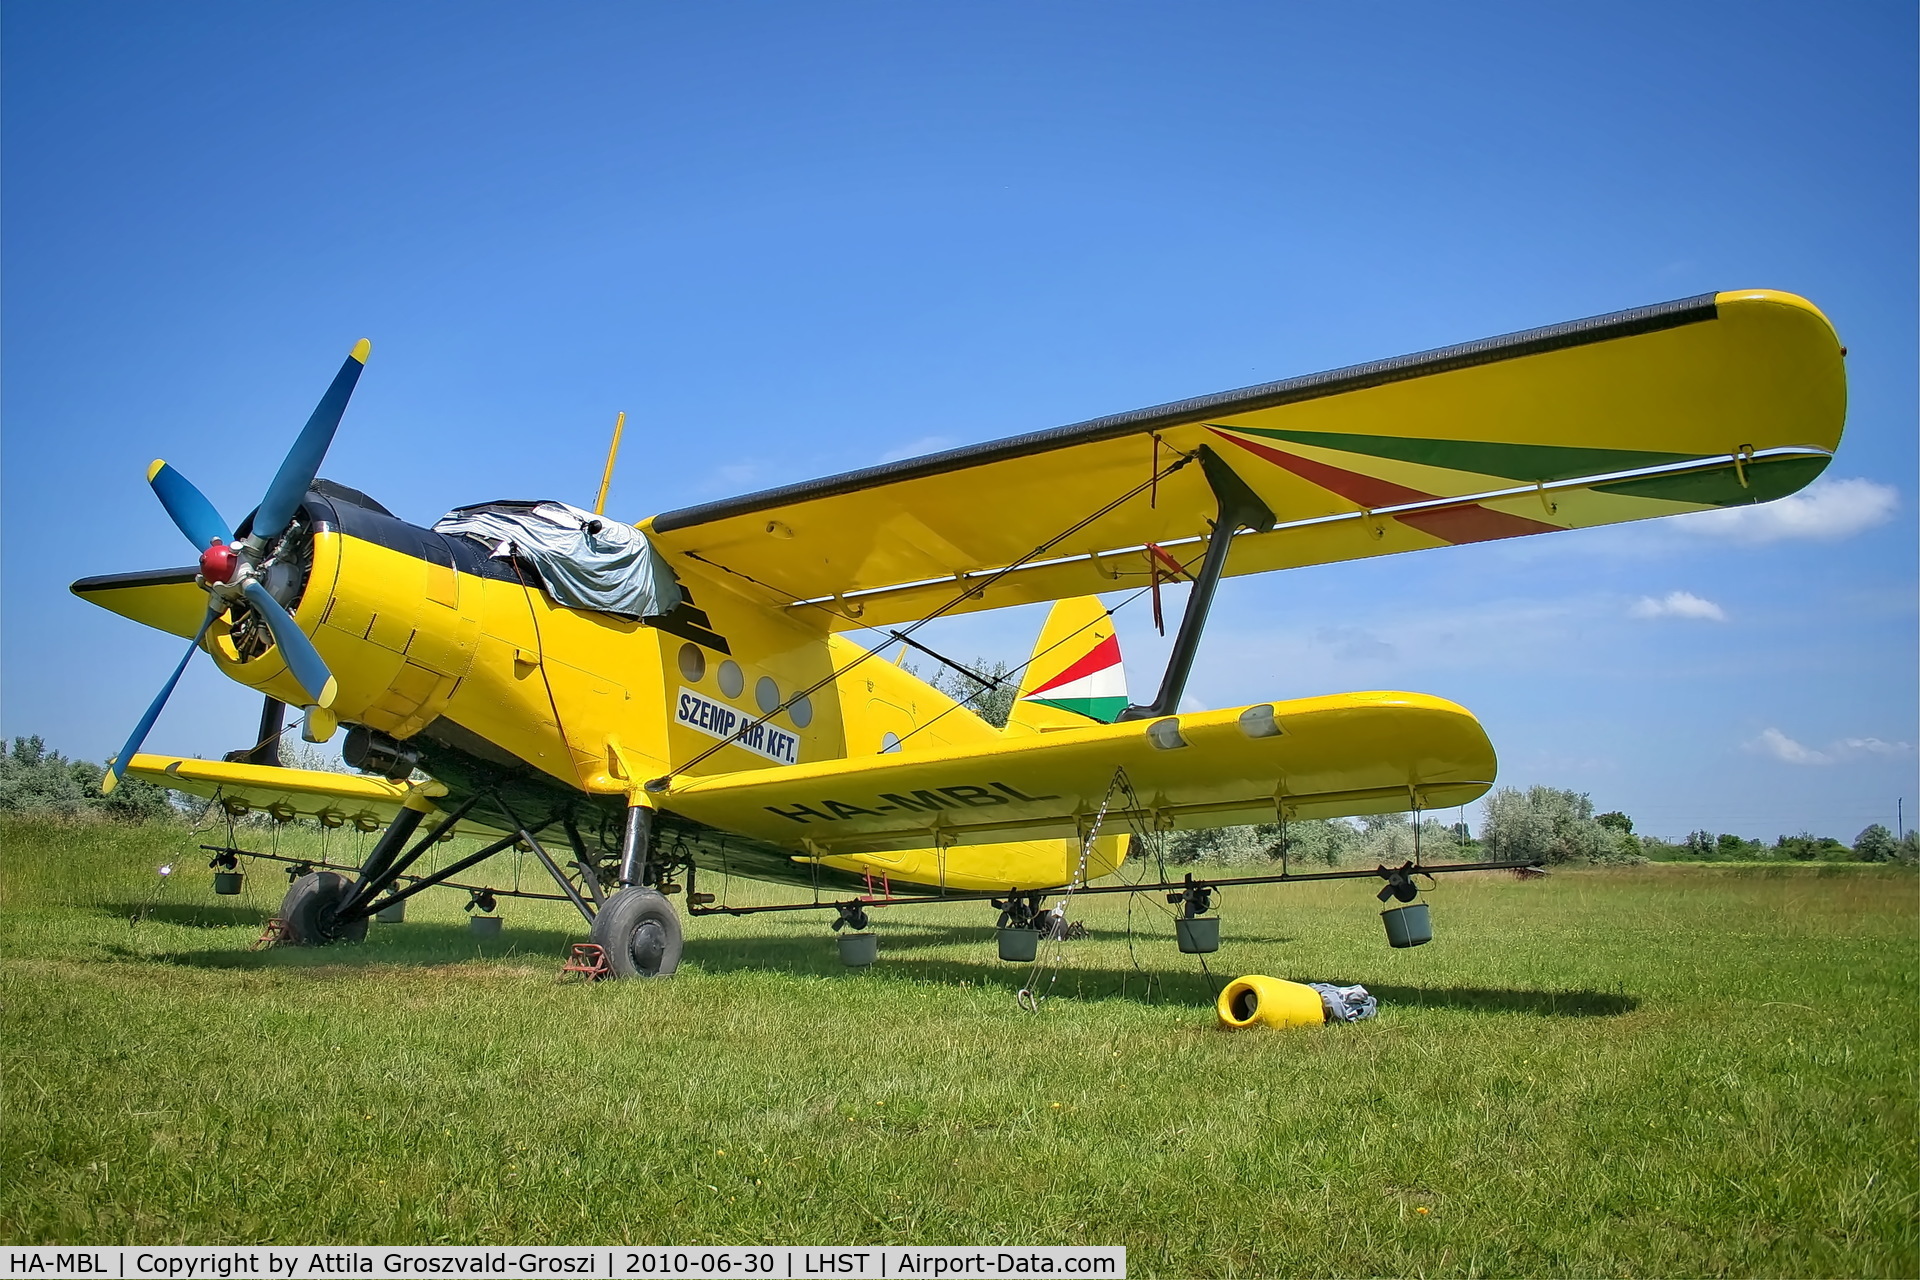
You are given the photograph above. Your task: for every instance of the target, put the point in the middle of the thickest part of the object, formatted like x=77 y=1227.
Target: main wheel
x=310 y=911
x=640 y=932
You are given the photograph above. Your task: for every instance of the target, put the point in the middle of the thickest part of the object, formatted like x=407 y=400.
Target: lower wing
x=333 y=799
x=1325 y=757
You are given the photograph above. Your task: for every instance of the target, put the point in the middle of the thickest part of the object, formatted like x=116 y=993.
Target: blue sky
x=790 y=240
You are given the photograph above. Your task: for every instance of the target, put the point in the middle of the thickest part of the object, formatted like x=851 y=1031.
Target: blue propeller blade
x=191 y=512
x=303 y=461
x=139 y=735
x=308 y=667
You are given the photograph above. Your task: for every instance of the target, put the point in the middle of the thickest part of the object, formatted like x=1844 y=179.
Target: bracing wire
x=968 y=591
x=1013 y=673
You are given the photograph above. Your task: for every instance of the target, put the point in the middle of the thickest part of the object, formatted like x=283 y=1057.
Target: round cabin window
x=693 y=663
x=767 y=694
x=732 y=680
x=801 y=712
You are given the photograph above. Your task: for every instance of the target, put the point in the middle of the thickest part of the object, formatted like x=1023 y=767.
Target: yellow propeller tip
x=326 y=697
x=361 y=350
x=108 y=783
x=154 y=469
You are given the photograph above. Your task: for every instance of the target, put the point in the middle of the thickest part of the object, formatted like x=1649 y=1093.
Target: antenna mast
x=606 y=477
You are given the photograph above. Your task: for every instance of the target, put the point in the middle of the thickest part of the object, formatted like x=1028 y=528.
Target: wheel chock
x=588 y=959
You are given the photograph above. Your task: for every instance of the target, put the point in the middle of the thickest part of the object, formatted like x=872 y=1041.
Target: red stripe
x=1469 y=522
x=1473 y=523
x=1099 y=658
x=1368 y=491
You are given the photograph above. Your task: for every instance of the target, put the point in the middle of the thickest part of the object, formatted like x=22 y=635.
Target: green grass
x=1655 y=1071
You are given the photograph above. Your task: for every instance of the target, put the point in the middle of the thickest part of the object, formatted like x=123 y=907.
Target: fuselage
x=465 y=665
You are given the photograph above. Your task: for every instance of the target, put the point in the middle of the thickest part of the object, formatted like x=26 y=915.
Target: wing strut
x=1240 y=508
x=266 y=744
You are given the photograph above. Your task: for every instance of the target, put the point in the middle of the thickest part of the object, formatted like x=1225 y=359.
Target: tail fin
x=1074 y=678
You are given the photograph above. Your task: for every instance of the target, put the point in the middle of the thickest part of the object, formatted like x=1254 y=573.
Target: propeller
x=230 y=571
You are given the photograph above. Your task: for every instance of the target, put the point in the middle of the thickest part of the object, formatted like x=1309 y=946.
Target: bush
x=1806 y=847
x=1616 y=821
x=991 y=702
x=34 y=780
x=1387 y=839
x=1551 y=825
x=1876 y=844
x=1378 y=839
x=1317 y=841
x=1227 y=846
x=1654 y=849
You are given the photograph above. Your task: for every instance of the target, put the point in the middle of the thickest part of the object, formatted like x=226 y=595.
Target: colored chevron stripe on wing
x=1095 y=686
x=1528 y=463
x=1469 y=522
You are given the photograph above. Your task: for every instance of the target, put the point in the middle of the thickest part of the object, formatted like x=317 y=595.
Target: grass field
x=1659 y=1071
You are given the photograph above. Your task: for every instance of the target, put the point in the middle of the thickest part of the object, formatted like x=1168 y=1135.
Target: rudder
x=1075 y=677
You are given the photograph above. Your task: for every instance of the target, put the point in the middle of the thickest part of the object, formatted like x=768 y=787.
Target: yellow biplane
x=689 y=693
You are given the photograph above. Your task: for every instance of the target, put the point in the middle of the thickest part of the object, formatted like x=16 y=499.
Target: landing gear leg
x=637 y=927
x=636 y=845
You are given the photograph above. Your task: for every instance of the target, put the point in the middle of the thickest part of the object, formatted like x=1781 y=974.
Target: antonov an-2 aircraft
x=686 y=693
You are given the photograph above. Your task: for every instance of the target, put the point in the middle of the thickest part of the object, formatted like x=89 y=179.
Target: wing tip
x=1775 y=297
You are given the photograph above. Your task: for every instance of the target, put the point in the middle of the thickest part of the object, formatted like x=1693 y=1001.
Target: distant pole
x=606 y=477
x=1900 y=816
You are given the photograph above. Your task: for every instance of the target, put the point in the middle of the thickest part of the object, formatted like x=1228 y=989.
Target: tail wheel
x=311 y=911
x=640 y=933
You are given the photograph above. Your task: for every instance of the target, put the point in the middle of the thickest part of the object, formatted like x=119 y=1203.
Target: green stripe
x=1507 y=461
x=1105 y=710
x=1767 y=479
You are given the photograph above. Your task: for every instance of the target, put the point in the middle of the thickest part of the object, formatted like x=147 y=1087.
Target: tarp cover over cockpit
x=585 y=561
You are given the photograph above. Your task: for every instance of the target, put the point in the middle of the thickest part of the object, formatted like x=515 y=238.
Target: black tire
x=640 y=932
x=309 y=911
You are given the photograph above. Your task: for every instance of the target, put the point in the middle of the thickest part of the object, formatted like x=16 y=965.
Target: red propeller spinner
x=218 y=562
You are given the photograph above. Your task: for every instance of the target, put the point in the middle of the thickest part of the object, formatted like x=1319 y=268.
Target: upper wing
x=1324 y=757
x=336 y=799
x=1711 y=401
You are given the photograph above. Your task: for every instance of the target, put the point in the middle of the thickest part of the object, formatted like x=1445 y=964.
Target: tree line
x=1547 y=824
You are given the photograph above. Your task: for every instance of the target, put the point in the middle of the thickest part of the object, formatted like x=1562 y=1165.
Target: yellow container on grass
x=1257 y=1001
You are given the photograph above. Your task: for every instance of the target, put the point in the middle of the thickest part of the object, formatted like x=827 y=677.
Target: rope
x=533 y=615
x=1026 y=998
x=1156 y=842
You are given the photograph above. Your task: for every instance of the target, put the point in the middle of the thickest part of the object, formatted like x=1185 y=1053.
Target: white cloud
x=1677 y=604
x=1772 y=742
x=1875 y=747
x=913 y=449
x=1827 y=511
